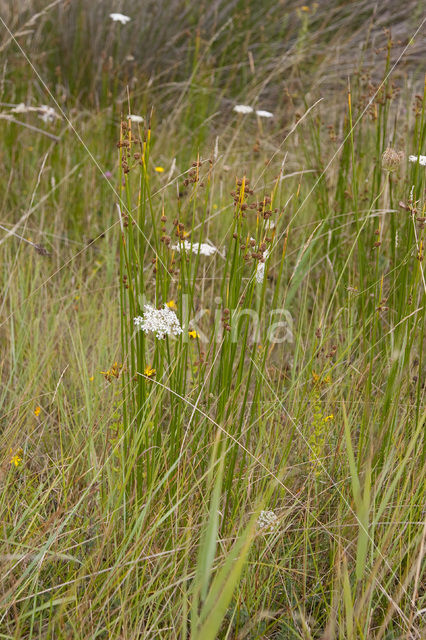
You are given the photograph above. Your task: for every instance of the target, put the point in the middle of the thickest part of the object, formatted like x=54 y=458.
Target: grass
x=134 y=469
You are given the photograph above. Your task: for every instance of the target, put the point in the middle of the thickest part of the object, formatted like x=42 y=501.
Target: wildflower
x=420 y=159
x=20 y=108
x=391 y=159
x=330 y=417
x=162 y=322
x=159 y=169
x=107 y=175
x=149 y=371
x=47 y=114
x=264 y=114
x=267 y=521
x=243 y=108
x=113 y=372
x=119 y=17
x=16 y=459
x=37 y=411
x=171 y=304
x=260 y=270
x=134 y=118
x=91 y=378
x=204 y=248
x=320 y=380
x=193 y=334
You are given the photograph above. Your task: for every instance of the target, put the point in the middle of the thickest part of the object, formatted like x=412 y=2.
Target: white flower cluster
x=245 y=109
x=162 y=322
x=421 y=159
x=260 y=270
x=133 y=118
x=203 y=248
x=268 y=521
x=119 y=17
x=46 y=113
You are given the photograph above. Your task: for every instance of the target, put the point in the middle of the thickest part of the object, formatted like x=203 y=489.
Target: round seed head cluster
x=163 y=322
x=195 y=247
x=391 y=159
x=267 y=521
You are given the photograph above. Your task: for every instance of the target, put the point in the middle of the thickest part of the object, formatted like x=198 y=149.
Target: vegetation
x=248 y=462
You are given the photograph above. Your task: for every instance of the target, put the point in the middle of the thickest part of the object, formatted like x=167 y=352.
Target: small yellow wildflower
x=16 y=459
x=113 y=372
x=317 y=379
x=330 y=417
x=91 y=378
x=37 y=411
x=149 y=371
x=193 y=334
x=304 y=8
x=159 y=169
x=171 y=304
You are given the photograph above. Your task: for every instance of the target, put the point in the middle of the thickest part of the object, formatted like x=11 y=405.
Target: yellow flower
x=193 y=334
x=159 y=169
x=304 y=8
x=37 y=411
x=16 y=459
x=149 y=371
x=171 y=304
x=91 y=378
x=113 y=372
x=330 y=417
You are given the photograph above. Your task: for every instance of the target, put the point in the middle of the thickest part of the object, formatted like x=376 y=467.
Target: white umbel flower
x=260 y=270
x=204 y=248
x=163 y=322
x=267 y=521
x=47 y=114
x=119 y=17
x=264 y=114
x=420 y=159
x=134 y=118
x=243 y=108
x=20 y=108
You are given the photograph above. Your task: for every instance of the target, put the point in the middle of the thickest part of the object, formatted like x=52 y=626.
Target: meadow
x=212 y=320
